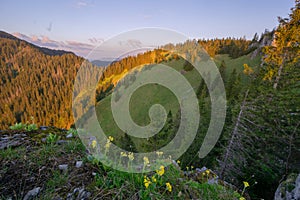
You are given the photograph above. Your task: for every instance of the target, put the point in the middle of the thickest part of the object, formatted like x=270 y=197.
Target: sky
x=80 y=25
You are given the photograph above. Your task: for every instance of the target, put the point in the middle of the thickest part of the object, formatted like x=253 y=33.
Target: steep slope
x=36 y=83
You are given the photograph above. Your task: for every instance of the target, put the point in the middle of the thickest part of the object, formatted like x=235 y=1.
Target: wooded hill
x=260 y=140
x=38 y=82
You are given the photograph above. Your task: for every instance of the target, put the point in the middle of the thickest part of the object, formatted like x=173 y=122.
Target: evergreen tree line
x=260 y=140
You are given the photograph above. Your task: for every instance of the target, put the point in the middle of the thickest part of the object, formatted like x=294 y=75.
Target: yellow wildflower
x=94 y=144
x=192 y=167
x=178 y=161
x=203 y=174
x=169 y=186
x=146 y=161
x=110 y=138
x=207 y=171
x=246 y=184
x=107 y=145
x=130 y=156
x=123 y=154
x=161 y=170
x=159 y=153
x=147 y=182
x=242 y=198
x=153 y=179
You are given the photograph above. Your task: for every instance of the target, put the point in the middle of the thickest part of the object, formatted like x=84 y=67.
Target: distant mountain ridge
x=101 y=63
x=47 y=51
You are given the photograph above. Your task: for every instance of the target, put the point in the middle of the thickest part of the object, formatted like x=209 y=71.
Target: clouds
x=96 y=41
x=80 y=4
x=79 y=48
x=84 y=3
x=96 y=48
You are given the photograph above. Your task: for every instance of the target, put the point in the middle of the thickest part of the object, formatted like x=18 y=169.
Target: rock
x=213 y=181
x=289 y=189
x=82 y=194
x=203 y=169
x=79 y=164
x=78 y=194
x=175 y=163
x=70 y=196
x=43 y=128
x=12 y=141
x=32 y=193
x=60 y=142
x=63 y=167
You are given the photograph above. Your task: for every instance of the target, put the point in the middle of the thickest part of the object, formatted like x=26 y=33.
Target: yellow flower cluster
x=168 y=186
x=110 y=138
x=246 y=184
x=146 y=161
x=242 y=198
x=123 y=154
x=153 y=179
x=159 y=153
x=147 y=181
x=161 y=170
x=108 y=142
x=94 y=144
x=207 y=172
x=130 y=156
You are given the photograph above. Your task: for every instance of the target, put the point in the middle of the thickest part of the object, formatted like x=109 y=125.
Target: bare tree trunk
x=279 y=73
x=233 y=136
x=278 y=77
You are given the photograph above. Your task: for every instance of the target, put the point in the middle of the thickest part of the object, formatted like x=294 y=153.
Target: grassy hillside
x=151 y=94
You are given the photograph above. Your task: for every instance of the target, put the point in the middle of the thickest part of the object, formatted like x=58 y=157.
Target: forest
x=260 y=141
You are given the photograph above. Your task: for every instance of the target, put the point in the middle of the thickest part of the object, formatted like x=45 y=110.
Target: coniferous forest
x=260 y=141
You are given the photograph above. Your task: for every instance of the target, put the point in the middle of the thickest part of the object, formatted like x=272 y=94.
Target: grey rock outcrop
x=32 y=193
x=289 y=189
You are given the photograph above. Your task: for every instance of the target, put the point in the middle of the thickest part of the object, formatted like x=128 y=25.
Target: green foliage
x=10 y=153
x=188 y=66
x=18 y=126
x=165 y=183
x=73 y=131
x=31 y=127
x=58 y=179
x=285 y=49
x=52 y=138
x=26 y=127
x=213 y=191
